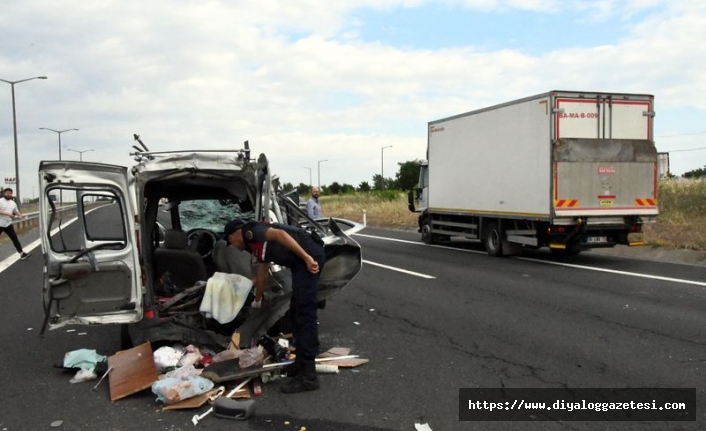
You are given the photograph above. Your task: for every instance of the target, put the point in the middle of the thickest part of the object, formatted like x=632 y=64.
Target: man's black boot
x=293 y=369
x=306 y=379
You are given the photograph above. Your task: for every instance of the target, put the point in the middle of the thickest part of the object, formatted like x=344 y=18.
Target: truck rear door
x=89 y=244
x=605 y=160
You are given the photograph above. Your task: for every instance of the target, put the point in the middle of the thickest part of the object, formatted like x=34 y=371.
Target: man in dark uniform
x=303 y=253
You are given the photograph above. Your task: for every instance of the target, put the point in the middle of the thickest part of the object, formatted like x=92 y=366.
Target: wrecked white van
x=136 y=248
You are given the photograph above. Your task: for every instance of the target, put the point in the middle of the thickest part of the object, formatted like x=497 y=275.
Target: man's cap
x=232 y=226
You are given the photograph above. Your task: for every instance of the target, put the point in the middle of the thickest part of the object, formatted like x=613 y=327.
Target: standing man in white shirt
x=313 y=208
x=9 y=211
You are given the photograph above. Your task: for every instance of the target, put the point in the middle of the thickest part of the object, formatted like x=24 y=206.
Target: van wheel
x=493 y=243
x=427 y=236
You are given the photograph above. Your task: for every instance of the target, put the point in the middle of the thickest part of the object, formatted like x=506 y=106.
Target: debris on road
x=184 y=377
x=84 y=359
x=134 y=370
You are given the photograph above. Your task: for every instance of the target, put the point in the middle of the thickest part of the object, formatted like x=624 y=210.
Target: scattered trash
x=86 y=360
x=83 y=376
x=191 y=356
x=422 y=427
x=83 y=333
x=173 y=389
x=184 y=377
x=82 y=358
x=70 y=330
x=56 y=424
x=356 y=323
x=30 y=329
x=103 y=377
x=134 y=370
x=182 y=373
x=167 y=357
x=326 y=369
x=251 y=357
x=233 y=409
x=371 y=310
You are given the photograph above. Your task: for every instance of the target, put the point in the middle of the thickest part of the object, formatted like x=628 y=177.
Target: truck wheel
x=493 y=243
x=427 y=236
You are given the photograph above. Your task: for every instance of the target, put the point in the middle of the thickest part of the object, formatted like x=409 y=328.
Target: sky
x=321 y=87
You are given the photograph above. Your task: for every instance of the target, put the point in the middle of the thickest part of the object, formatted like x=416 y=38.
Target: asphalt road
x=480 y=322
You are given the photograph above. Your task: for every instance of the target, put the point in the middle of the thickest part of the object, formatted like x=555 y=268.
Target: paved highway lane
x=480 y=322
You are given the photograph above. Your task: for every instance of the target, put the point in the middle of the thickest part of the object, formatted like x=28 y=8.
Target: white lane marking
x=567 y=265
x=29 y=247
x=615 y=271
x=394 y=268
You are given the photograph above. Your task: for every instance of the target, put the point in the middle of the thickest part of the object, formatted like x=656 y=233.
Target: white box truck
x=567 y=170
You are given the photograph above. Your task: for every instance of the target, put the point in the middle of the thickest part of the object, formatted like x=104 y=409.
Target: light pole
x=306 y=167
x=58 y=132
x=80 y=152
x=318 y=179
x=14 y=127
x=382 y=166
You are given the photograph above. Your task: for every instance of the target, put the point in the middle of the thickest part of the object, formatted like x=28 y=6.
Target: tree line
x=406 y=178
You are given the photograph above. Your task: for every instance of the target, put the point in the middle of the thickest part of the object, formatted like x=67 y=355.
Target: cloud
x=297 y=80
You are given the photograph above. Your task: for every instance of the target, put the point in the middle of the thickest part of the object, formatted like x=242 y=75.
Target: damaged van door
x=87 y=230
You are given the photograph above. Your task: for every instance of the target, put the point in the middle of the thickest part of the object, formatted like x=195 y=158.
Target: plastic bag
x=167 y=357
x=226 y=355
x=251 y=357
x=191 y=357
x=83 y=376
x=182 y=373
x=172 y=390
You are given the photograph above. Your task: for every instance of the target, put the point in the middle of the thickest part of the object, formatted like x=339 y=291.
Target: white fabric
x=225 y=295
x=7 y=206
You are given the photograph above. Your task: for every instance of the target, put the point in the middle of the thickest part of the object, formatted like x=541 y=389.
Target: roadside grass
x=681 y=223
x=682 y=215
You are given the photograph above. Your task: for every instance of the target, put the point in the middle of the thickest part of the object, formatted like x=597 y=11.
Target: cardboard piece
x=234 y=341
x=348 y=363
x=335 y=351
x=133 y=371
x=191 y=403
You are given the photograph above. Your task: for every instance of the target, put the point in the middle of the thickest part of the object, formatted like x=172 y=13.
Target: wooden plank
x=134 y=370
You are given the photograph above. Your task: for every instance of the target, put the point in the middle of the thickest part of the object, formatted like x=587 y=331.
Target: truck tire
x=492 y=240
x=427 y=236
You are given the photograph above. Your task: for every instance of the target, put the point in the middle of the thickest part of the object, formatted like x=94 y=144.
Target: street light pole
x=58 y=132
x=306 y=167
x=80 y=152
x=319 y=172
x=14 y=128
x=382 y=166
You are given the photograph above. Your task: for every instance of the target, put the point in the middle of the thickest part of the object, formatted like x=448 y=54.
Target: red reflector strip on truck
x=646 y=202
x=566 y=203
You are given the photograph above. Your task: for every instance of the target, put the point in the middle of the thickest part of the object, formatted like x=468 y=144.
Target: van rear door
x=87 y=230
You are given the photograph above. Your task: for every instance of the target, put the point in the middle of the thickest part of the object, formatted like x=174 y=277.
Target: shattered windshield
x=211 y=214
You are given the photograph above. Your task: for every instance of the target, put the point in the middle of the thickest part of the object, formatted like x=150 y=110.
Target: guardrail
x=31 y=220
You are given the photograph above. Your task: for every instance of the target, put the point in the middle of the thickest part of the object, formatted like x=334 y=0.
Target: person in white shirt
x=9 y=211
